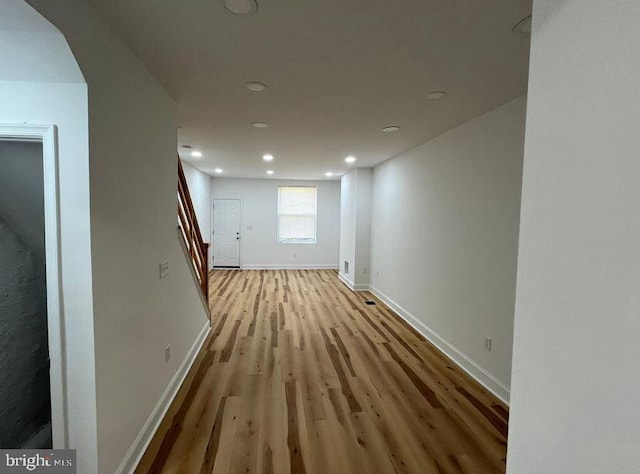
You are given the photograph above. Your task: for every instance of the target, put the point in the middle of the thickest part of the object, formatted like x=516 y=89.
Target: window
x=297 y=214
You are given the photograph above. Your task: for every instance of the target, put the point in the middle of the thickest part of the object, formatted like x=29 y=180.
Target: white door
x=226 y=232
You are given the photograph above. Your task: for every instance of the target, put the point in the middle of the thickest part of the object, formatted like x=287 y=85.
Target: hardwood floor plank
x=299 y=375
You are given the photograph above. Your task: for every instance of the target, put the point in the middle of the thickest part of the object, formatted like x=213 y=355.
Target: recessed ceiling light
x=241 y=7
x=187 y=146
x=523 y=27
x=436 y=95
x=269 y=172
x=256 y=86
x=217 y=170
x=196 y=154
x=267 y=157
x=260 y=125
x=329 y=174
x=391 y=129
x=350 y=159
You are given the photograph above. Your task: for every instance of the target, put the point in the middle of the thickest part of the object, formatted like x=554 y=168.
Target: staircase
x=190 y=231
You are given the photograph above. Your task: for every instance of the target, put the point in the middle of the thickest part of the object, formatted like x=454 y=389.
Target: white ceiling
x=337 y=71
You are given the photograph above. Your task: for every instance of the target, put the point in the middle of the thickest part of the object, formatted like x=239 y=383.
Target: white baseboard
x=352 y=286
x=139 y=446
x=460 y=358
x=289 y=266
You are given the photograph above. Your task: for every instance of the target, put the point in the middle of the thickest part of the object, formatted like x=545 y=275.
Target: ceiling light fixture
x=350 y=159
x=256 y=86
x=436 y=95
x=260 y=125
x=241 y=7
x=196 y=154
x=391 y=129
x=523 y=27
x=269 y=172
x=267 y=157
x=217 y=170
x=328 y=174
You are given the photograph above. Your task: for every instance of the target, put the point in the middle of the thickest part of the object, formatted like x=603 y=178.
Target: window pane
x=297 y=200
x=297 y=227
x=297 y=214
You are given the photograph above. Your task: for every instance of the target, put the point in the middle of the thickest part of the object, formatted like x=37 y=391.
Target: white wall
x=57 y=95
x=355 y=227
x=445 y=235
x=364 y=189
x=576 y=376
x=348 y=200
x=258 y=247
x=200 y=189
x=132 y=132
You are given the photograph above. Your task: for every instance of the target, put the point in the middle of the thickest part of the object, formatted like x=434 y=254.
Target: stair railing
x=190 y=231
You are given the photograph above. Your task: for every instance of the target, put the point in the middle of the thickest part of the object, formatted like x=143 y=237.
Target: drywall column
x=355 y=227
x=40 y=83
x=132 y=177
x=576 y=377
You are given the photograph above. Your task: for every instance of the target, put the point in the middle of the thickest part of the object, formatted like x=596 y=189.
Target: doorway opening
x=25 y=409
x=32 y=408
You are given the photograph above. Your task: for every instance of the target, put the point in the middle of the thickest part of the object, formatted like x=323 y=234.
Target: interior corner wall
x=576 y=378
x=445 y=238
x=40 y=83
x=364 y=188
x=348 y=199
x=133 y=178
x=355 y=227
x=200 y=189
x=259 y=223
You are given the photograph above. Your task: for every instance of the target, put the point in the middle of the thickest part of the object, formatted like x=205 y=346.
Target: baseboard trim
x=287 y=266
x=352 y=286
x=139 y=446
x=467 y=364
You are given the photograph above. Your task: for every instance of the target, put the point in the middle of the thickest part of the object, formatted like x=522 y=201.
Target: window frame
x=315 y=217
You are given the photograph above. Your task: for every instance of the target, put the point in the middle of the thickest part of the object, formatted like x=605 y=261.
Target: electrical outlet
x=167 y=353
x=487 y=343
x=295 y=255
x=164 y=269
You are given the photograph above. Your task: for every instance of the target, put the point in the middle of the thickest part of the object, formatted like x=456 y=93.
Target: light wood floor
x=300 y=375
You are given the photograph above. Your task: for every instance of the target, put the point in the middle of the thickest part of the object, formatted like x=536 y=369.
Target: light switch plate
x=164 y=269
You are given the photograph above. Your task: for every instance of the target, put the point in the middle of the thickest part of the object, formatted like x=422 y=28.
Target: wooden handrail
x=190 y=231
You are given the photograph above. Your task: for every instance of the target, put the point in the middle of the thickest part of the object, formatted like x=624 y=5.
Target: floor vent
x=370 y=303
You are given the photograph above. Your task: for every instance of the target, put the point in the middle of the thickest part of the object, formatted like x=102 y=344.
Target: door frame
x=48 y=136
x=211 y=234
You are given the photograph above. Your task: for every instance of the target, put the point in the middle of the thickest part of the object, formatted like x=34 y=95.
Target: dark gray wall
x=25 y=400
x=22 y=191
